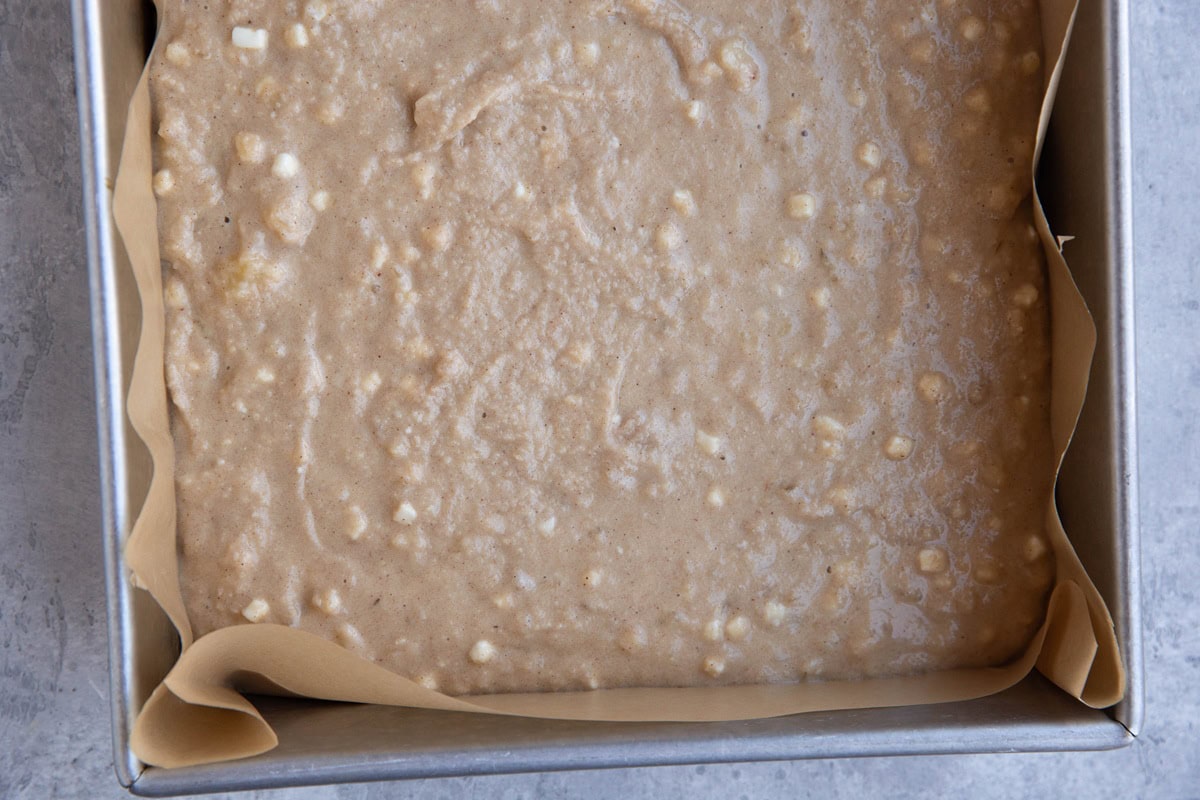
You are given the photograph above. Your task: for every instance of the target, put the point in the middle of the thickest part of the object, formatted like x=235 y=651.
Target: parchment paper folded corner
x=198 y=715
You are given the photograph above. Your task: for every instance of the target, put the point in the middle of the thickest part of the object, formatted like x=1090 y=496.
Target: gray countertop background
x=54 y=726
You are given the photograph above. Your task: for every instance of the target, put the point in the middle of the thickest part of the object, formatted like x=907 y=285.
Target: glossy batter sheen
x=553 y=345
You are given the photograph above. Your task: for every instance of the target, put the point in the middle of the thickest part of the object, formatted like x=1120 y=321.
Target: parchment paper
x=198 y=714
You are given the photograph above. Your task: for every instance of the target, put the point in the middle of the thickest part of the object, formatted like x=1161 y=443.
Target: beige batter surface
x=553 y=345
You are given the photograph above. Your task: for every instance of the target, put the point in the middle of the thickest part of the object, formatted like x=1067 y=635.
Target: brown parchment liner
x=198 y=715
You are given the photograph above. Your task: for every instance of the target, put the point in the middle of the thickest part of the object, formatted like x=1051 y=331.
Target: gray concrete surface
x=54 y=734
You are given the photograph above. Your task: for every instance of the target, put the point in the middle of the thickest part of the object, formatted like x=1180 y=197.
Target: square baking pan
x=1086 y=187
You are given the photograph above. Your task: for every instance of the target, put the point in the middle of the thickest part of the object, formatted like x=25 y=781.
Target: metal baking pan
x=1087 y=191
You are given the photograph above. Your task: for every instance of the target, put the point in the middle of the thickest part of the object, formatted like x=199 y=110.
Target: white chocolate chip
x=409 y=254
x=714 y=666
x=587 y=53
x=356 y=524
x=668 y=237
x=801 y=205
x=296 y=36
x=370 y=383
x=546 y=526
x=972 y=29
x=592 y=578
x=291 y=219
x=249 y=147
x=708 y=443
x=1031 y=62
x=716 y=497
x=1035 y=548
x=843 y=498
x=713 y=630
x=633 y=638
x=164 y=182
x=933 y=387
x=436 y=237
x=820 y=297
x=978 y=100
x=932 y=559
x=482 y=652
x=269 y=91
x=521 y=191
x=331 y=111
x=328 y=601
x=350 y=637
x=174 y=293
x=379 y=254
x=286 y=166
x=172 y=127
x=986 y=573
x=428 y=681
x=791 y=256
x=1025 y=296
x=683 y=202
x=422 y=178
x=922 y=51
x=405 y=513
x=256 y=610
x=898 y=448
x=303 y=453
x=737 y=628
x=958 y=509
x=179 y=55
x=249 y=38
x=869 y=155
x=773 y=612
x=450 y=365
x=828 y=428
x=694 y=111
x=739 y=65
